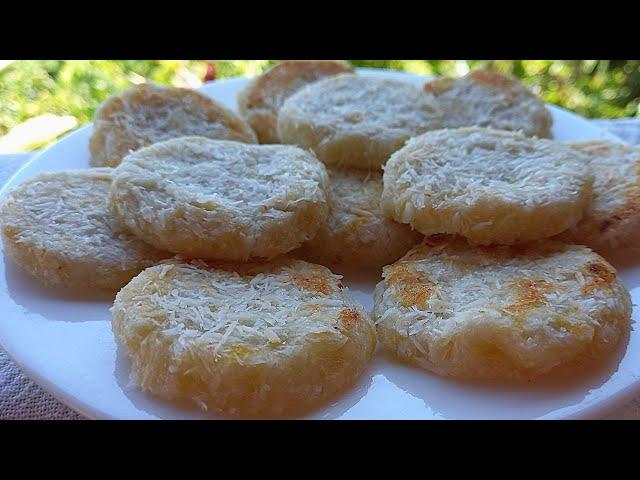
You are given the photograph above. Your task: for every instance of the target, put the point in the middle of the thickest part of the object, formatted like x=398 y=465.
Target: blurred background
x=42 y=100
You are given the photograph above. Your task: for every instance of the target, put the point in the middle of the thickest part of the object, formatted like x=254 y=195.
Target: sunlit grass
x=29 y=89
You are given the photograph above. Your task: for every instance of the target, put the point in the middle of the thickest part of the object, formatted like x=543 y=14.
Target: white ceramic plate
x=63 y=340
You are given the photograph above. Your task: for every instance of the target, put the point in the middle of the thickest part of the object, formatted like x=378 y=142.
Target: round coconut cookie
x=261 y=100
x=612 y=219
x=221 y=200
x=500 y=312
x=356 y=232
x=57 y=227
x=146 y=114
x=269 y=339
x=491 y=186
x=355 y=121
x=489 y=99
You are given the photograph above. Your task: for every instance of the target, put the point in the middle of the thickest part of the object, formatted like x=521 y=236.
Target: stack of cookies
x=223 y=249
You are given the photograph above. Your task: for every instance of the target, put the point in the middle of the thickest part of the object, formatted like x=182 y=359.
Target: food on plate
x=146 y=114
x=356 y=121
x=490 y=186
x=500 y=312
x=260 y=101
x=271 y=339
x=208 y=235
x=57 y=227
x=216 y=199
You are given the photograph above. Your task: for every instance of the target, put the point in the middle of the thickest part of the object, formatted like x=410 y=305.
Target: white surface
x=64 y=341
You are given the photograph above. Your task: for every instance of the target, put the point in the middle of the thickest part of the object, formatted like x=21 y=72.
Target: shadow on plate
x=54 y=303
x=563 y=387
x=176 y=410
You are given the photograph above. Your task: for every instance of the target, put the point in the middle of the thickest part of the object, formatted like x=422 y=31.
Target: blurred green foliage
x=592 y=88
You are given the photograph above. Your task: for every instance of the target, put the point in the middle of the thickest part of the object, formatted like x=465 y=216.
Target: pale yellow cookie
x=261 y=100
x=57 y=227
x=612 y=219
x=500 y=312
x=357 y=232
x=146 y=114
x=356 y=121
x=484 y=98
x=221 y=200
x=490 y=186
x=271 y=339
